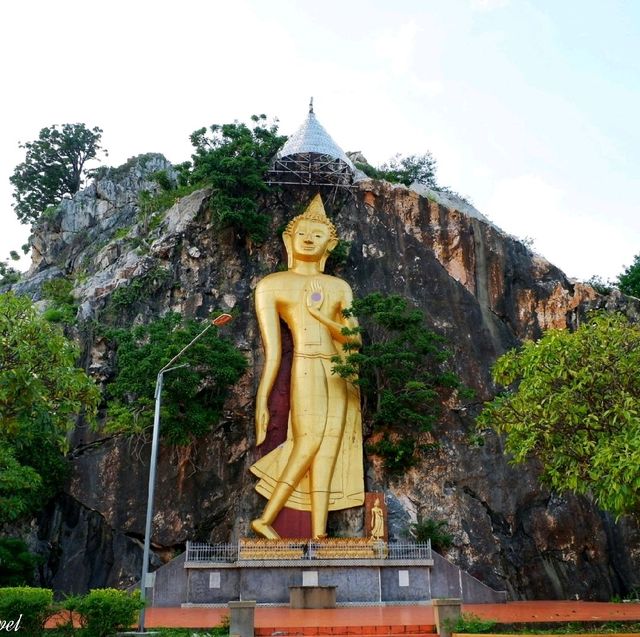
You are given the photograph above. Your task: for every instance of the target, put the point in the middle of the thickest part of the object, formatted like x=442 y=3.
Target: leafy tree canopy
x=405 y=170
x=53 y=167
x=629 y=280
x=233 y=159
x=192 y=396
x=16 y=562
x=401 y=369
x=573 y=402
x=41 y=392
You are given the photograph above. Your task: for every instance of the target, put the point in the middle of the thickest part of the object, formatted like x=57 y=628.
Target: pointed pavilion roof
x=312 y=137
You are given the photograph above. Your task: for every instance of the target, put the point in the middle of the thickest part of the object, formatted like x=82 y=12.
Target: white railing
x=295 y=550
x=409 y=550
x=201 y=552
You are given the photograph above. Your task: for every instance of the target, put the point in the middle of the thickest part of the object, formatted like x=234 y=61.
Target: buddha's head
x=310 y=236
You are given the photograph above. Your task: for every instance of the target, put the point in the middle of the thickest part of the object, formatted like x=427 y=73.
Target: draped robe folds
x=347 y=482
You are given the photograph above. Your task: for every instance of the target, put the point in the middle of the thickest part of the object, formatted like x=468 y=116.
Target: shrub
x=63 y=307
x=105 y=611
x=435 y=530
x=33 y=606
x=470 y=623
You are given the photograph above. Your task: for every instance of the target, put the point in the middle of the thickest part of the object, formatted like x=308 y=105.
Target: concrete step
x=416 y=630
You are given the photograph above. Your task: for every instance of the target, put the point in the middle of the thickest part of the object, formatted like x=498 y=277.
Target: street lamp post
x=218 y=321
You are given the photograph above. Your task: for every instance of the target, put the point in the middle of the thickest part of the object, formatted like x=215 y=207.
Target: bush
x=434 y=530
x=470 y=623
x=32 y=606
x=105 y=611
x=63 y=307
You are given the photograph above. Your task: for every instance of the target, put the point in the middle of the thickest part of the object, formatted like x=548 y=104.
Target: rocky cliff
x=482 y=289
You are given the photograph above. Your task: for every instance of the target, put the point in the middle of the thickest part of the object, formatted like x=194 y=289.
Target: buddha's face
x=310 y=240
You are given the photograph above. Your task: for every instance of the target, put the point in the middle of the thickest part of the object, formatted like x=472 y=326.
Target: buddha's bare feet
x=263 y=529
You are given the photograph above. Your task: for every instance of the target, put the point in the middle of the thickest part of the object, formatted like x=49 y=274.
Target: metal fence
x=200 y=552
x=295 y=550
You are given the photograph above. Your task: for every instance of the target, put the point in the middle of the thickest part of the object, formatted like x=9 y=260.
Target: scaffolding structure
x=310 y=157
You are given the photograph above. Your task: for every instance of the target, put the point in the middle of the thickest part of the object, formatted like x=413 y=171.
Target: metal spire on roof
x=311 y=105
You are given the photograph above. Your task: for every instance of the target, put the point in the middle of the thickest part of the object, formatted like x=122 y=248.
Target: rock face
x=483 y=290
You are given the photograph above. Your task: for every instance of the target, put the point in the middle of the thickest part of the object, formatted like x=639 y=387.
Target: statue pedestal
x=312 y=596
x=266 y=571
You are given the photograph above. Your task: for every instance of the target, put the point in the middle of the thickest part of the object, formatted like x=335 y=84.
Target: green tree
x=42 y=391
x=573 y=402
x=405 y=170
x=600 y=285
x=8 y=275
x=16 y=562
x=53 y=167
x=410 y=169
x=233 y=159
x=629 y=280
x=401 y=369
x=193 y=396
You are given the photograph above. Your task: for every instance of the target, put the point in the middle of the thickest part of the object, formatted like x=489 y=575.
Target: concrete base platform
x=359 y=582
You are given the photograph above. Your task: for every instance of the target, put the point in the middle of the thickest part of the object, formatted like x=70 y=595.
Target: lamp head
x=222 y=319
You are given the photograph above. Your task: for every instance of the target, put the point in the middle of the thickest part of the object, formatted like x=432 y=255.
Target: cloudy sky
x=530 y=107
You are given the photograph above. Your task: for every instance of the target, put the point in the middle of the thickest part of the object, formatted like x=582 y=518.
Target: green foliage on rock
x=63 y=308
x=339 y=255
x=629 y=280
x=42 y=391
x=137 y=290
x=434 y=531
x=401 y=369
x=405 y=170
x=16 y=562
x=420 y=169
x=53 y=167
x=600 y=285
x=233 y=160
x=573 y=402
x=192 y=397
x=152 y=205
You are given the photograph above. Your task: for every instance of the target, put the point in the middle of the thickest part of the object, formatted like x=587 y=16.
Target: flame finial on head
x=314 y=212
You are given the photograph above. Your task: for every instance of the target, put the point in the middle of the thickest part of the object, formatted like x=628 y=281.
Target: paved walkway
x=511 y=612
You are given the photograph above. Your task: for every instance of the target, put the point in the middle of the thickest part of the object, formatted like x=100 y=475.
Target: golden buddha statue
x=377 y=521
x=319 y=467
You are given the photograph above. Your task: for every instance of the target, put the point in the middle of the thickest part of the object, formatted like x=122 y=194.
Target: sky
x=531 y=108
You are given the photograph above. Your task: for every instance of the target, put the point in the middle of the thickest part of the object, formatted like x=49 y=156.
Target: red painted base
x=293 y=524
